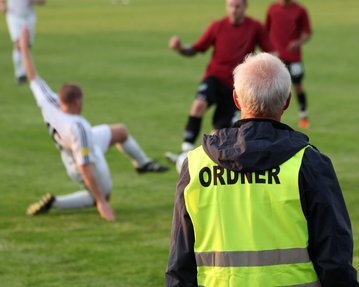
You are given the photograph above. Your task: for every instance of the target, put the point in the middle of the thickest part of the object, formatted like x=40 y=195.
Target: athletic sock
x=302 y=101
x=17 y=60
x=186 y=147
x=192 y=130
x=74 y=200
x=134 y=151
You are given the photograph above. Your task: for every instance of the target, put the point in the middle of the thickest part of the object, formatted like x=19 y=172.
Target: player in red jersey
x=289 y=28
x=232 y=38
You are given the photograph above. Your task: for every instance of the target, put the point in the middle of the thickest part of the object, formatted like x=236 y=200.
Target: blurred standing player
x=232 y=38
x=289 y=28
x=19 y=13
x=82 y=147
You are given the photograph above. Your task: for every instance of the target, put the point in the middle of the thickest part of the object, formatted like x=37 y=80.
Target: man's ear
x=287 y=102
x=235 y=99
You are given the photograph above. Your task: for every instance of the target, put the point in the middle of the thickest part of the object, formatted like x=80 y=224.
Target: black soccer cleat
x=151 y=166
x=42 y=206
x=21 y=79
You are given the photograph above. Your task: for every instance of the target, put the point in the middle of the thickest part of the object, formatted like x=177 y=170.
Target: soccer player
x=19 y=13
x=232 y=38
x=82 y=147
x=289 y=28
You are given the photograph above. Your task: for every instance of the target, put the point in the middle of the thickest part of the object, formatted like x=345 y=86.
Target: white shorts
x=102 y=136
x=101 y=139
x=16 y=23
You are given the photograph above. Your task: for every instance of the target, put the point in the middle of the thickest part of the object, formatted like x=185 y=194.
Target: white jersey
x=20 y=8
x=72 y=133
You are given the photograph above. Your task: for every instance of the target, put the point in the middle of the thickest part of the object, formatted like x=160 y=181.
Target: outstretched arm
x=102 y=205
x=3 y=6
x=26 y=55
x=176 y=45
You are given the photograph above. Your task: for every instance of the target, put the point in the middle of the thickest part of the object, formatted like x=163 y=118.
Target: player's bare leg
x=20 y=74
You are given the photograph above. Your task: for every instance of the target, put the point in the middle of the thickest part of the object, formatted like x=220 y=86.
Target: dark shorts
x=214 y=92
x=296 y=71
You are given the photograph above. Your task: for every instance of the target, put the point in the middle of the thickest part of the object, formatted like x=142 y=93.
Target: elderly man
x=256 y=204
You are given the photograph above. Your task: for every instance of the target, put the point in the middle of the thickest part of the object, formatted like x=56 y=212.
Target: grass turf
x=119 y=54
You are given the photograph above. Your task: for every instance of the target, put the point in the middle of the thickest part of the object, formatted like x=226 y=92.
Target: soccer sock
x=74 y=200
x=192 y=130
x=186 y=147
x=17 y=60
x=302 y=101
x=134 y=151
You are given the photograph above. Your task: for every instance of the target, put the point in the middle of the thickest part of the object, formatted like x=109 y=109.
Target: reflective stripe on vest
x=253 y=258
x=312 y=284
x=249 y=228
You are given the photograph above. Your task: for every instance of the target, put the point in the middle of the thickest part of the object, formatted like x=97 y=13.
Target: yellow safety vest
x=250 y=230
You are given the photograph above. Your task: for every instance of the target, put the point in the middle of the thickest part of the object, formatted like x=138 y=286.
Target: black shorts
x=214 y=92
x=296 y=71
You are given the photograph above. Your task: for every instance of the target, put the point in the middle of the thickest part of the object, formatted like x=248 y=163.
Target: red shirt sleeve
x=206 y=40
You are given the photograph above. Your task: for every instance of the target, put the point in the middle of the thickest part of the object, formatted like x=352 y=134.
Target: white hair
x=262 y=83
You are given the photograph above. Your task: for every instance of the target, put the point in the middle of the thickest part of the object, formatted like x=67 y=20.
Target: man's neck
x=286 y=2
x=245 y=116
x=69 y=110
x=236 y=21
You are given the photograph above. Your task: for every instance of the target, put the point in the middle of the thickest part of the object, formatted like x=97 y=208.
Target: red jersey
x=286 y=23
x=231 y=44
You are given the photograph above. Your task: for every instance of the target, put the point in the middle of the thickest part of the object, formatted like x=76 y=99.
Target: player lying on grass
x=82 y=147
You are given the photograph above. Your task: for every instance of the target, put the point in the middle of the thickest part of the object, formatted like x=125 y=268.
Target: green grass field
x=119 y=54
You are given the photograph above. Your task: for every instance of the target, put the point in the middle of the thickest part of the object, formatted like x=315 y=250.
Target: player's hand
x=105 y=211
x=294 y=45
x=2 y=6
x=175 y=43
